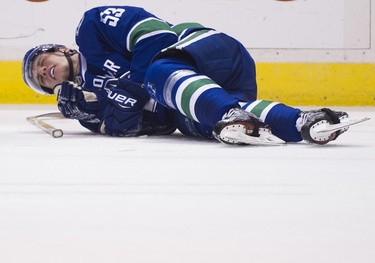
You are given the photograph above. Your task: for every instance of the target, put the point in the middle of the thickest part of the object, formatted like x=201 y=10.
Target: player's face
x=50 y=69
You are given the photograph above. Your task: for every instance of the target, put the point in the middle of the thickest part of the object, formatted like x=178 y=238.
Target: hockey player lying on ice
x=136 y=74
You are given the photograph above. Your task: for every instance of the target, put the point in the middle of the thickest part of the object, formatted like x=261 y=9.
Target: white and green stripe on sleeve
x=147 y=28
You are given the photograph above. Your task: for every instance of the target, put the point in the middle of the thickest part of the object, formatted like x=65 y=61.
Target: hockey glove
x=74 y=103
x=123 y=113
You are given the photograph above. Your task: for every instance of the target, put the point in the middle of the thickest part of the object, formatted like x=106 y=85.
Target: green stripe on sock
x=189 y=91
x=258 y=109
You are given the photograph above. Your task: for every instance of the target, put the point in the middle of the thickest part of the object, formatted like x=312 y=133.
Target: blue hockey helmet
x=27 y=64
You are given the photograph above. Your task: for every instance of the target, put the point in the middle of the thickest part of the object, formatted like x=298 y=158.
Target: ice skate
x=315 y=125
x=243 y=128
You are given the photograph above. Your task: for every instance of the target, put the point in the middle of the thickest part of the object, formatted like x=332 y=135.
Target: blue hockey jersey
x=114 y=40
x=118 y=40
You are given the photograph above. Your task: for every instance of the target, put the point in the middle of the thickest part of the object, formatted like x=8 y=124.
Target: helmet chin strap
x=68 y=55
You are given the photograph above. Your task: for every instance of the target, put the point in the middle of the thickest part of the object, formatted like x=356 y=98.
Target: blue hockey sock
x=281 y=118
x=213 y=104
x=177 y=85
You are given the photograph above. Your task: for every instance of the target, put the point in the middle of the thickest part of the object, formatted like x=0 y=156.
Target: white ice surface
x=94 y=199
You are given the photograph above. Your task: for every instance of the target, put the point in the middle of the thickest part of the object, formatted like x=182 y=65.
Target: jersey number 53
x=111 y=16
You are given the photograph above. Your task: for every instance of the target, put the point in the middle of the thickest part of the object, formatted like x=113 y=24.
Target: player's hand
x=123 y=113
x=72 y=101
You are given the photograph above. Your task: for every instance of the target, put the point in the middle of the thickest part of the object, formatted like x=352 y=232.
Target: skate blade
x=237 y=137
x=346 y=123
